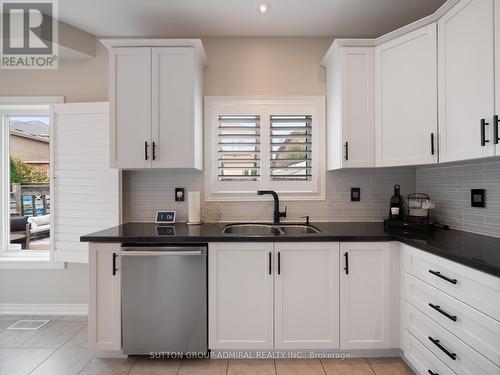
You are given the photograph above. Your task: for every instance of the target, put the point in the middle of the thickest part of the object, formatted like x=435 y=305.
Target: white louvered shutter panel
x=86 y=191
x=291 y=148
x=238 y=148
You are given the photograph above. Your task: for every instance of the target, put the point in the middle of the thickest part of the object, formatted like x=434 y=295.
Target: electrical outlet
x=179 y=194
x=355 y=194
x=478 y=198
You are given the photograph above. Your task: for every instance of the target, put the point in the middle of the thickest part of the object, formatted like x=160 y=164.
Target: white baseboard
x=110 y=354
x=43 y=309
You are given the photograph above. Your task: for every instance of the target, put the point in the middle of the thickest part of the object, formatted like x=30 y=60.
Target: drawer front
x=477 y=289
x=453 y=352
x=421 y=358
x=475 y=328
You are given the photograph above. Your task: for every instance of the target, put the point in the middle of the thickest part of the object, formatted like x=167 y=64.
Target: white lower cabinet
x=421 y=358
x=240 y=295
x=452 y=311
x=104 y=320
x=369 y=296
x=301 y=312
x=453 y=352
x=306 y=295
x=470 y=325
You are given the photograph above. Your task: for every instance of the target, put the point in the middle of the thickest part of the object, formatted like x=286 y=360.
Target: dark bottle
x=396 y=208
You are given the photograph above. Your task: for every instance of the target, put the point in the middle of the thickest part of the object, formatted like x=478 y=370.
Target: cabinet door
x=105 y=297
x=240 y=296
x=369 y=296
x=306 y=296
x=175 y=72
x=350 y=108
x=130 y=100
x=358 y=102
x=406 y=99
x=466 y=80
x=496 y=124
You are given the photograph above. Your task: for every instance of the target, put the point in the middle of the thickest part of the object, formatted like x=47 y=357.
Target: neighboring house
x=29 y=142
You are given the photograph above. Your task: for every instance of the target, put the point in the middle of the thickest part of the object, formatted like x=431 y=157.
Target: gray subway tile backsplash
x=449 y=186
x=147 y=191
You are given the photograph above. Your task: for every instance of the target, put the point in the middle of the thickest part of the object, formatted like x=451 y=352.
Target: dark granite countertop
x=473 y=250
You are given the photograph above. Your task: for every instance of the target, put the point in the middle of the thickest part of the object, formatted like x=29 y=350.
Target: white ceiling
x=339 y=18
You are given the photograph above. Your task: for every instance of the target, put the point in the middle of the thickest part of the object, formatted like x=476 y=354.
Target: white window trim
x=248 y=105
x=23 y=259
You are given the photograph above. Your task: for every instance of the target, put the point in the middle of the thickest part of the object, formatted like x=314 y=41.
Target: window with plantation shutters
x=264 y=143
x=239 y=148
x=290 y=148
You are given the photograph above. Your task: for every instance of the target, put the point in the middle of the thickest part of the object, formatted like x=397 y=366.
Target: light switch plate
x=355 y=194
x=478 y=198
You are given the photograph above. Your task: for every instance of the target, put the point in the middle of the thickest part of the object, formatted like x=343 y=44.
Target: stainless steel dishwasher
x=164 y=299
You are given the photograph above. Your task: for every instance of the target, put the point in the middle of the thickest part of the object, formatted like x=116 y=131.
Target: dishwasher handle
x=141 y=253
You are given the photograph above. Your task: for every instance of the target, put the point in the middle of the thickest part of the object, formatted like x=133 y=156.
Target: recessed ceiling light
x=264 y=8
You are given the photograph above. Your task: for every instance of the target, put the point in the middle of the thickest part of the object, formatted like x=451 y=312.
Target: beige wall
x=44 y=286
x=237 y=66
x=83 y=80
x=265 y=66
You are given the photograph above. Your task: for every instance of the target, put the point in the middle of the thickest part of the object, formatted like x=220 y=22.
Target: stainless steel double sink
x=262 y=229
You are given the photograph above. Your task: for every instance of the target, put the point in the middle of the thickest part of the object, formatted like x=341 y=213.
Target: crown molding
x=156 y=42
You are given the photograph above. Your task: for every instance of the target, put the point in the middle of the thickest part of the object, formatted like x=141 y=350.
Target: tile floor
x=60 y=348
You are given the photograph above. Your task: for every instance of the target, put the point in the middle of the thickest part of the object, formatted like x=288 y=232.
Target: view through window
x=29 y=153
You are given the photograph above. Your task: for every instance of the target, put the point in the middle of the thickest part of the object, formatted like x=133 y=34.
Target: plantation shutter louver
x=291 y=148
x=86 y=190
x=238 y=152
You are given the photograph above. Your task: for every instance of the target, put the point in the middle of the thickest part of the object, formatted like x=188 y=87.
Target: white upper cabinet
x=406 y=99
x=436 y=91
x=369 y=296
x=177 y=103
x=496 y=124
x=306 y=296
x=467 y=80
x=156 y=94
x=350 y=107
x=130 y=112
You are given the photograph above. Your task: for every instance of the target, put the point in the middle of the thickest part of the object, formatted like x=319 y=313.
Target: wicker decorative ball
x=210 y=213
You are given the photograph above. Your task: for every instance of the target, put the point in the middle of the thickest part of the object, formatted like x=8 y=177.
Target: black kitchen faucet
x=277 y=213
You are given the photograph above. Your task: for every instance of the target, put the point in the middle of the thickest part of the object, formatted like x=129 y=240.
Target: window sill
x=17 y=260
x=236 y=196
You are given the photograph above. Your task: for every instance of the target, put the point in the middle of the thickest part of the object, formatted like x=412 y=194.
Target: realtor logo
x=29 y=35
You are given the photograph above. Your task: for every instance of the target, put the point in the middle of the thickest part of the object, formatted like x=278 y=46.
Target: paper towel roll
x=194 y=207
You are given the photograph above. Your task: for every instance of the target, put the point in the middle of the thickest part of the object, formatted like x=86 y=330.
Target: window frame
x=14 y=258
x=265 y=107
